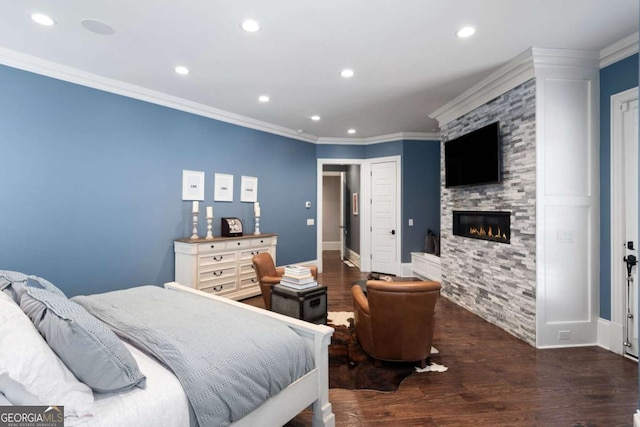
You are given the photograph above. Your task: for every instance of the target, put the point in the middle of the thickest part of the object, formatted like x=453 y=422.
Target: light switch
x=307 y=205
x=410 y=222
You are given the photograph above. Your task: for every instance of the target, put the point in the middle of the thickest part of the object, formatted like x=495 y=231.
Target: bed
x=159 y=397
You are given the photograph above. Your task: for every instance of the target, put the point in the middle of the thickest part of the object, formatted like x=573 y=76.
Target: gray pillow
x=13 y=282
x=94 y=354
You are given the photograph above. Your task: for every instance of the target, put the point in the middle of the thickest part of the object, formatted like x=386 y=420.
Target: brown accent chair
x=395 y=320
x=268 y=275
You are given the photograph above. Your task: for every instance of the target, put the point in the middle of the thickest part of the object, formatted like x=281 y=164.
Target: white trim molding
x=517 y=71
x=619 y=50
x=54 y=70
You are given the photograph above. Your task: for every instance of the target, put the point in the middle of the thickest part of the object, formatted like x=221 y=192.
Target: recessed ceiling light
x=263 y=98
x=351 y=131
x=183 y=71
x=250 y=25
x=42 y=19
x=465 y=32
x=315 y=118
x=346 y=73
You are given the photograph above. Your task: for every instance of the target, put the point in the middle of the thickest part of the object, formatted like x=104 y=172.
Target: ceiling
x=406 y=57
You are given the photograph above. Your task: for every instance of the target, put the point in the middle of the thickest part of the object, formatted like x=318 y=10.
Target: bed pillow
x=27 y=359
x=87 y=346
x=13 y=283
x=16 y=393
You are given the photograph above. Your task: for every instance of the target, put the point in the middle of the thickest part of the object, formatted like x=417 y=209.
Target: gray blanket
x=228 y=360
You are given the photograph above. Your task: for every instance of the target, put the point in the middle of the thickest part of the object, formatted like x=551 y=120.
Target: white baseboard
x=610 y=336
x=636 y=419
x=330 y=246
x=353 y=257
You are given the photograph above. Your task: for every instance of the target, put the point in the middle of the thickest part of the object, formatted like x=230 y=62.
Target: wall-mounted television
x=473 y=158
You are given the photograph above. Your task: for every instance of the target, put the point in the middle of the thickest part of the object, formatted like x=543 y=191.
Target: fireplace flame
x=488 y=233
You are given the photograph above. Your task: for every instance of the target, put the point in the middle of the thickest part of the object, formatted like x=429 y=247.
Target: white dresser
x=426 y=266
x=222 y=266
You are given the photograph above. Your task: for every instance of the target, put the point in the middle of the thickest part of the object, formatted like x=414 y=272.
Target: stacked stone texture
x=496 y=281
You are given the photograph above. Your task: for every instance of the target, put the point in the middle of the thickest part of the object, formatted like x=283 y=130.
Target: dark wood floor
x=494 y=379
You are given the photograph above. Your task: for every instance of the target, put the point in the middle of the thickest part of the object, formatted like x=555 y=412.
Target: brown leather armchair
x=268 y=275
x=395 y=320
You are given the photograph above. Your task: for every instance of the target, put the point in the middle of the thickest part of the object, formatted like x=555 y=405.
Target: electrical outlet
x=564 y=335
x=310 y=221
x=410 y=222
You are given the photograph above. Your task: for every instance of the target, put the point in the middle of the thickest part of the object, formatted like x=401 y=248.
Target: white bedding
x=162 y=403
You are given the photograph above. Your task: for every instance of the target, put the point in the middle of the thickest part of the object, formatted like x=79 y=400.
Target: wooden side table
x=305 y=304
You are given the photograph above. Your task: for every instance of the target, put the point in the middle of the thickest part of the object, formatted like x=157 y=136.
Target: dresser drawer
x=249 y=282
x=238 y=244
x=215 y=274
x=208 y=261
x=247 y=269
x=249 y=254
x=262 y=241
x=211 y=247
x=220 y=288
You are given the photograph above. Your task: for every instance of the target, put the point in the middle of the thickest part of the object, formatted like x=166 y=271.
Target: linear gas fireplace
x=494 y=226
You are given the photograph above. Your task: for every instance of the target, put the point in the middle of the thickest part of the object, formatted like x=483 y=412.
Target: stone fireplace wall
x=494 y=280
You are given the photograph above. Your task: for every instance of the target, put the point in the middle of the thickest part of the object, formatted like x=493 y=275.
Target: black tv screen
x=473 y=158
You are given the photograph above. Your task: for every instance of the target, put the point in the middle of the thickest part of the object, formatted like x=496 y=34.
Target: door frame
x=617 y=279
x=319 y=173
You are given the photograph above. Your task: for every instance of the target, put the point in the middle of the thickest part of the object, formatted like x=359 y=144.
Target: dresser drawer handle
x=239 y=243
x=213 y=246
x=254 y=253
x=218 y=258
x=314 y=302
x=254 y=279
x=217 y=288
x=217 y=273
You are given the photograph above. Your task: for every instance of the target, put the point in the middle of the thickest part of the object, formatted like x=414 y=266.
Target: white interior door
x=630 y=141
x=384 y=217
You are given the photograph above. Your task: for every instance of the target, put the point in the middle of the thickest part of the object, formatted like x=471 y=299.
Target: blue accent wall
x=615 y=78
x=420 y=176
x=420 y=194
x=90 y=183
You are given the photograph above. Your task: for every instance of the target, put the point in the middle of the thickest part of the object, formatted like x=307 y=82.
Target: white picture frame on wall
x=192 y=185
x=223 y=185
x=249 y=189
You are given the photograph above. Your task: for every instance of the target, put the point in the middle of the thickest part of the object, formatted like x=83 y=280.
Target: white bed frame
x=310 y=390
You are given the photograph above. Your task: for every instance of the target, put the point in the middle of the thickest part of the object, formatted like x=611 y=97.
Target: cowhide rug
x=351 y=368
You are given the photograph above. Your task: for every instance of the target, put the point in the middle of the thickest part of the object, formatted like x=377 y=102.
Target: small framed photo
x=355 y=204
x=223 y=188
x=192 y=185
x=249 y=189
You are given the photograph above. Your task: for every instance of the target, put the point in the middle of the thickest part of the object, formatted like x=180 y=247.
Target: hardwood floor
x=493 y=379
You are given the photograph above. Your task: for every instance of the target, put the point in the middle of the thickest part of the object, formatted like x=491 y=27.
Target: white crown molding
x=619 y=50
x=517 y=71
x=62 y=72
x=510 y=75
x=413 y=136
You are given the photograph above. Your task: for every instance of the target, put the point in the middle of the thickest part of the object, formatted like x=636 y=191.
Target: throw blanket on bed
x=228 y=360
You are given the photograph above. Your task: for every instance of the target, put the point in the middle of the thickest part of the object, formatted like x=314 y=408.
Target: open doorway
x=340 y=221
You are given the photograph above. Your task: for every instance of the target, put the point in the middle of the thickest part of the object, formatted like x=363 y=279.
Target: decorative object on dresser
x=305 y=304
x=222 y=265
x=231 y=227
x=209 y=223
x=256 y=214
x=194 y=212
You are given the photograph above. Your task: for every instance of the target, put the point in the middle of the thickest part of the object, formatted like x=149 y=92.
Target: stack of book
x=298 y=277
